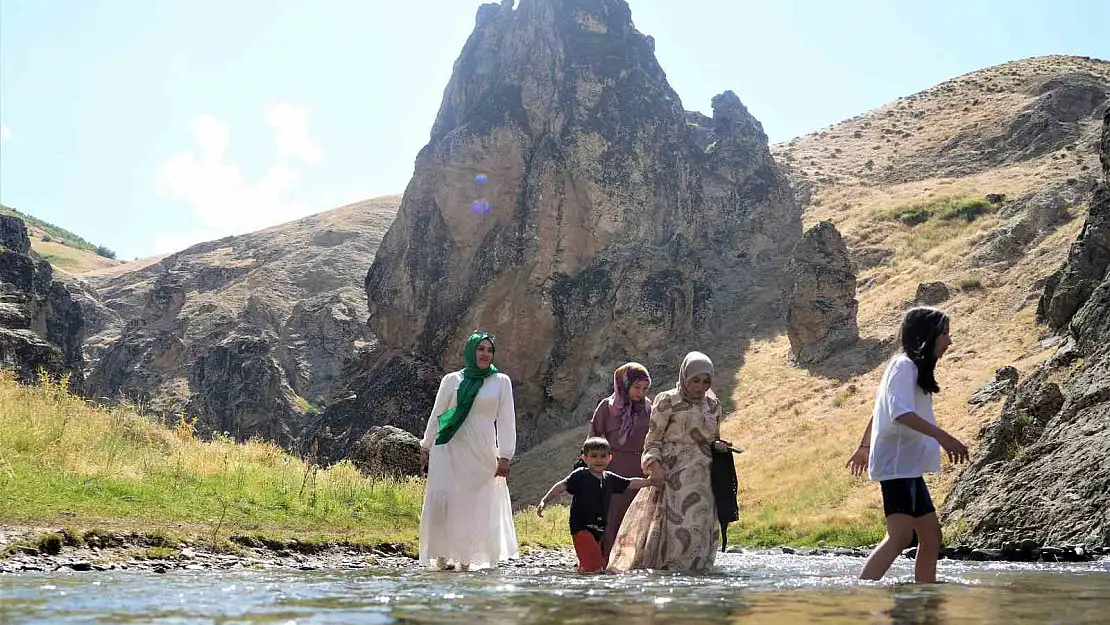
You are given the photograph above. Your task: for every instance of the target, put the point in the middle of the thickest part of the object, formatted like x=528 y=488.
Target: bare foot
x=464 y=567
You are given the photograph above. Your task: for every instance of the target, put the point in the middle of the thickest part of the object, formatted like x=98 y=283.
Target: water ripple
x=758 y=587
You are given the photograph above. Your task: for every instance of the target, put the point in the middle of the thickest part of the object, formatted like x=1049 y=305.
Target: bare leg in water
x=899 y=532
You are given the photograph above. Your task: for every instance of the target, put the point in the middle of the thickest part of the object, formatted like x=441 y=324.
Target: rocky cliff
x=41 y=327
x=567 y=203
x=246 y=334
x=1042 y=471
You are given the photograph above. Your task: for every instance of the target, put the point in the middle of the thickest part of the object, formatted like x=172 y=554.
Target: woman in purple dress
x=622 y=419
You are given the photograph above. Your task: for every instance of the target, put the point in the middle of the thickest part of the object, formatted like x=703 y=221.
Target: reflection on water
x=746 y=588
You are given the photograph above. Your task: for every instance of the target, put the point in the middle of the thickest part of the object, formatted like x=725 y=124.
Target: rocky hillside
x=246 y=334
x=1043 y=470
x=41 y=326
x=568 y=203
x=966 y=195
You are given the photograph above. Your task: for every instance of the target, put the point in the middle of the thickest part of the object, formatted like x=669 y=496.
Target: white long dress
x=467 y=517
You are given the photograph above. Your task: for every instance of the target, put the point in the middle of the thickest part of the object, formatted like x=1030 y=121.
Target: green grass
x=63 y=262
x=58 y=234
x=805 y=534
x=807 y=516
x=944 y=209
x=936 y=222
x=101 y=472
x=98 y=471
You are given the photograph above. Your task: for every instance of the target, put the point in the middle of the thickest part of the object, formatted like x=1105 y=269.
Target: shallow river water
x=745 y=588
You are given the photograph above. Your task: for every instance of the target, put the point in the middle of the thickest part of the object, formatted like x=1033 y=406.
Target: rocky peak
x=731 y=117
x=41 y=327
x=567 y=203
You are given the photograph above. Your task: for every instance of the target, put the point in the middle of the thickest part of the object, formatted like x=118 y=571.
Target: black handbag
x=722 y=475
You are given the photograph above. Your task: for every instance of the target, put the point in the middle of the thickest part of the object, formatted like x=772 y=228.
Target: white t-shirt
x=896 y=450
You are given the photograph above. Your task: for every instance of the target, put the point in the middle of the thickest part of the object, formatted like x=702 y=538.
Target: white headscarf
x=695 y=363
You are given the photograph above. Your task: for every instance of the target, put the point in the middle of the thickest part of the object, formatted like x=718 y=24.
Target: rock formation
x=387 y=451
x=567 y=203
x=1001 y=385
x=247 y=334
x=1043 y=470
x=821 y=318
x=931 y=293
x=40 y=324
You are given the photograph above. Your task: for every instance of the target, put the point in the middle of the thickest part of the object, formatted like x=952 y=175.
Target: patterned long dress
x=674 y=527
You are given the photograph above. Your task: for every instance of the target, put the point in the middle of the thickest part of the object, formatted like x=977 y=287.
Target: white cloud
x=291 y=137
x=5 y=132
x=220 y=198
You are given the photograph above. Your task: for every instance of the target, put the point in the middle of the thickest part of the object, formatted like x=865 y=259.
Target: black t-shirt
x=590 y=506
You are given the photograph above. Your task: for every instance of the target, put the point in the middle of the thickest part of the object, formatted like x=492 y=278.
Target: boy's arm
x=554 y=492
x=639 y=482
x=957 y=451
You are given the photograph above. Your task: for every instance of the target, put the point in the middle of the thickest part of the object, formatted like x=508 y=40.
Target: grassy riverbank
x=66 y=463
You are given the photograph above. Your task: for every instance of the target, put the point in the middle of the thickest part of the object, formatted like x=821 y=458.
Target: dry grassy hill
x=65 y=251
x=1026 y=130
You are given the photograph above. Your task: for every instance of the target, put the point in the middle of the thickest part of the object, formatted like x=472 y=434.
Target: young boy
x=590 y=487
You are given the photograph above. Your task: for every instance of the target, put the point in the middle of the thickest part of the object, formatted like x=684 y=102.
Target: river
x=745 y=588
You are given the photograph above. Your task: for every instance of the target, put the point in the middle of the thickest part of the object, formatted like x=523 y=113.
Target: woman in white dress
x=467 y=519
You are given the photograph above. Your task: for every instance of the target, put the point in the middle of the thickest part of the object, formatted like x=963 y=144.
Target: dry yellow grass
x=70 y=260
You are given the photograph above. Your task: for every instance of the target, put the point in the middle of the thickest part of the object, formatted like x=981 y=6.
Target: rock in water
x=1041 y=474
x=619 y=227
x=822 y=296
x=41 y=326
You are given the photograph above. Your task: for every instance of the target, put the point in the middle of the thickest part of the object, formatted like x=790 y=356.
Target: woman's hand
x=423 y=460
x=858 y=461
x=540 y=508
x=502 y=468
x=657 y=473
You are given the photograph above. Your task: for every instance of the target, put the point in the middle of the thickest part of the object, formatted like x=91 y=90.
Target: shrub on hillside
x=105 y=252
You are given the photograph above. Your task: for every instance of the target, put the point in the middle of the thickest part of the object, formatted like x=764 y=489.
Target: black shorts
x=906 y=496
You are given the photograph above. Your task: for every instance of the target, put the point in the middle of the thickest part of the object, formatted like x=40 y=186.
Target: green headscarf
x=473 y=377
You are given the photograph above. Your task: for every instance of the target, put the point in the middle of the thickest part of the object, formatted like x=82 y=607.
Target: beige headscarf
x=695 y=363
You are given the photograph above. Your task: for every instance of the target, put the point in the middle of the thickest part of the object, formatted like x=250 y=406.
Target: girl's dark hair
x=920 y=328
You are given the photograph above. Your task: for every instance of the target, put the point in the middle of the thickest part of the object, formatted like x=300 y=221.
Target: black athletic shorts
x=906 y=496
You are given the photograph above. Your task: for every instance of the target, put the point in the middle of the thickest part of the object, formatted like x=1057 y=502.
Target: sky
x=150 y=125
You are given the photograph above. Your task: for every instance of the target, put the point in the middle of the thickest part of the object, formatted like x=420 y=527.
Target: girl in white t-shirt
x=902 y=442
